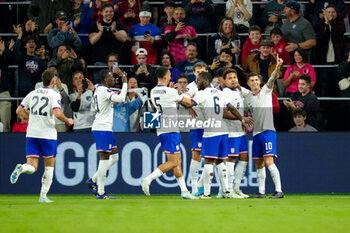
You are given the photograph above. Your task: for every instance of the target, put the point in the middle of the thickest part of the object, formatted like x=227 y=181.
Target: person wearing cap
x=63 y=34
x=106 y=36
x=143 y=72
x=262 y=63
x=297 y=30
x=145 y=35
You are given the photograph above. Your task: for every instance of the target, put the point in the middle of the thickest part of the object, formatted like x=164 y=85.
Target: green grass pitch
x=169 y=213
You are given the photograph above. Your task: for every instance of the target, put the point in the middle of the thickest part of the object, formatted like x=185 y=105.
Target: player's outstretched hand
x=124 y=77
x=70 y=122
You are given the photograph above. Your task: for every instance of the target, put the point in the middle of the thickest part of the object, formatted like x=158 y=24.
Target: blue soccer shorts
x=170 y=142
x=237 y=145
x=215 y=147
x=196 y=139
x=105 y=141
x=39 y=146
x=264 y=145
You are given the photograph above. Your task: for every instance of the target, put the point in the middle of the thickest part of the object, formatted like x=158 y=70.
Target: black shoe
x=258 y=195
x=92 y=186
x=277 y=195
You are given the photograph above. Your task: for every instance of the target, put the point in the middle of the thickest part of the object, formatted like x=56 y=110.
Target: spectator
x=344 y=77
x=186 y=66
x=31 y=28
x=178 y=35
x=225 y=38
x=96 y=8
x=135 y=118
x=299 y=118
x=293 y=72
x=297 y=31
x=67 y=62
x=182 y=112
x=198 y=14
x=181 y=83
x=64 y=34
x=20 y=126
x=240 y=11
x=279 y=45
x=167 y=19
x=5 y=87
x=81 y=19
x=30 y=66
x=273 y=15
x=129 y=11
x=252 y=43
x=106 y=36
x=84 y=69
x=43 y=12
x=143 y=72
x=167 y=60
x=262 y=63
x=305 y=99
x=145 y=35
x=81 y=101
x=113 y=66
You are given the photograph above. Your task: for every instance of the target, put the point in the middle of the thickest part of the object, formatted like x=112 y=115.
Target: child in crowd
x=279 y=45
x=167 y=19
x=252 y=43
x=20 y=126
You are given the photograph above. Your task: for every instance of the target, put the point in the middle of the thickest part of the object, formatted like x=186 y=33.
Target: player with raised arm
x=264 y=134
x=237 y=144
x=165 y=100
x=213 y=103
x=43 y=104
x=104 y=98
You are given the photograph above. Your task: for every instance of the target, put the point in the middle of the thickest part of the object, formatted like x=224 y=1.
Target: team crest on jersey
x=151 y=120
x=177 y=147
x=199 y=144
x=232 y=150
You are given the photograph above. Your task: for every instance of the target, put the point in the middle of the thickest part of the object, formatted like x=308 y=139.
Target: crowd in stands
x=133 y=37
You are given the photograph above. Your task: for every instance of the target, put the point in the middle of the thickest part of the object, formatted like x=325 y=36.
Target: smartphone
x=182 y=20
x=222 y=63
x=115 y=66
x=147 y=32
x=85 y=84
x=142 y=64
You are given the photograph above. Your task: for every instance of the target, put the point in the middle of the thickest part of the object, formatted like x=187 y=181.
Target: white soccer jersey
x=83 y=118
x=165 y=100
x=103 y=99
x=191 y=91
x=212 y=102
x=234 y=126
x=41 y=103
x=260 y=106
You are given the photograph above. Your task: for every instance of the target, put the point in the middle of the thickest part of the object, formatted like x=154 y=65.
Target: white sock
x=113 y=158
x=208 y=174
x=101 y=176
x=239 y=173
x=154 y=175
x=194 y=167
x=230 y=174
x=261 y=177
x=222 y=172
x=200 y=181
x=275 y=174
x=46 y=181
x=27 y=169
x=182 y=184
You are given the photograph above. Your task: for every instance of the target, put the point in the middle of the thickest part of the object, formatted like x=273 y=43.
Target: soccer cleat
x=277 y=195
x=145 y=187
x=15 y=174
x=188 y=195
x=92 y=186
x=200 y=191
x=258 y=195
x=205 y=197
x=240 y=193
x=235 y=196
x=45 y=200
x=104 y=196
x=220 y=195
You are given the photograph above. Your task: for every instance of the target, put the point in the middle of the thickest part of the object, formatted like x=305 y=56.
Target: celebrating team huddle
x=219 y=142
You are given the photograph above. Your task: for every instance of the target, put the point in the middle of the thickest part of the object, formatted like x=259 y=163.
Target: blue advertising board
x=308 y=163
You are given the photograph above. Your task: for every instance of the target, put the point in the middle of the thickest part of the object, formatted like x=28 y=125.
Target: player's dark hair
x=47 y=76
x=106 y=5
x=306 y=77
x=254 y=28
x=206 y=75
x=298 y=112
x=252 y=74
x=161 y=72
x=103 y=75
x=276 y=31
x=228 y=71
x=183 y=75
x=302 y=54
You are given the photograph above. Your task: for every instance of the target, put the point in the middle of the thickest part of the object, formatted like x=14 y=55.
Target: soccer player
x=104 y=98
x=165 y=100
x=264 y=134
x=237 y=145
x=196 y=134
x=212 y=103
x=43 y=104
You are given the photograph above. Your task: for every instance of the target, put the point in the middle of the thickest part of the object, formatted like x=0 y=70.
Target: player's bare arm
x=275 y=73
x=245 y=120
x=20 y=111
